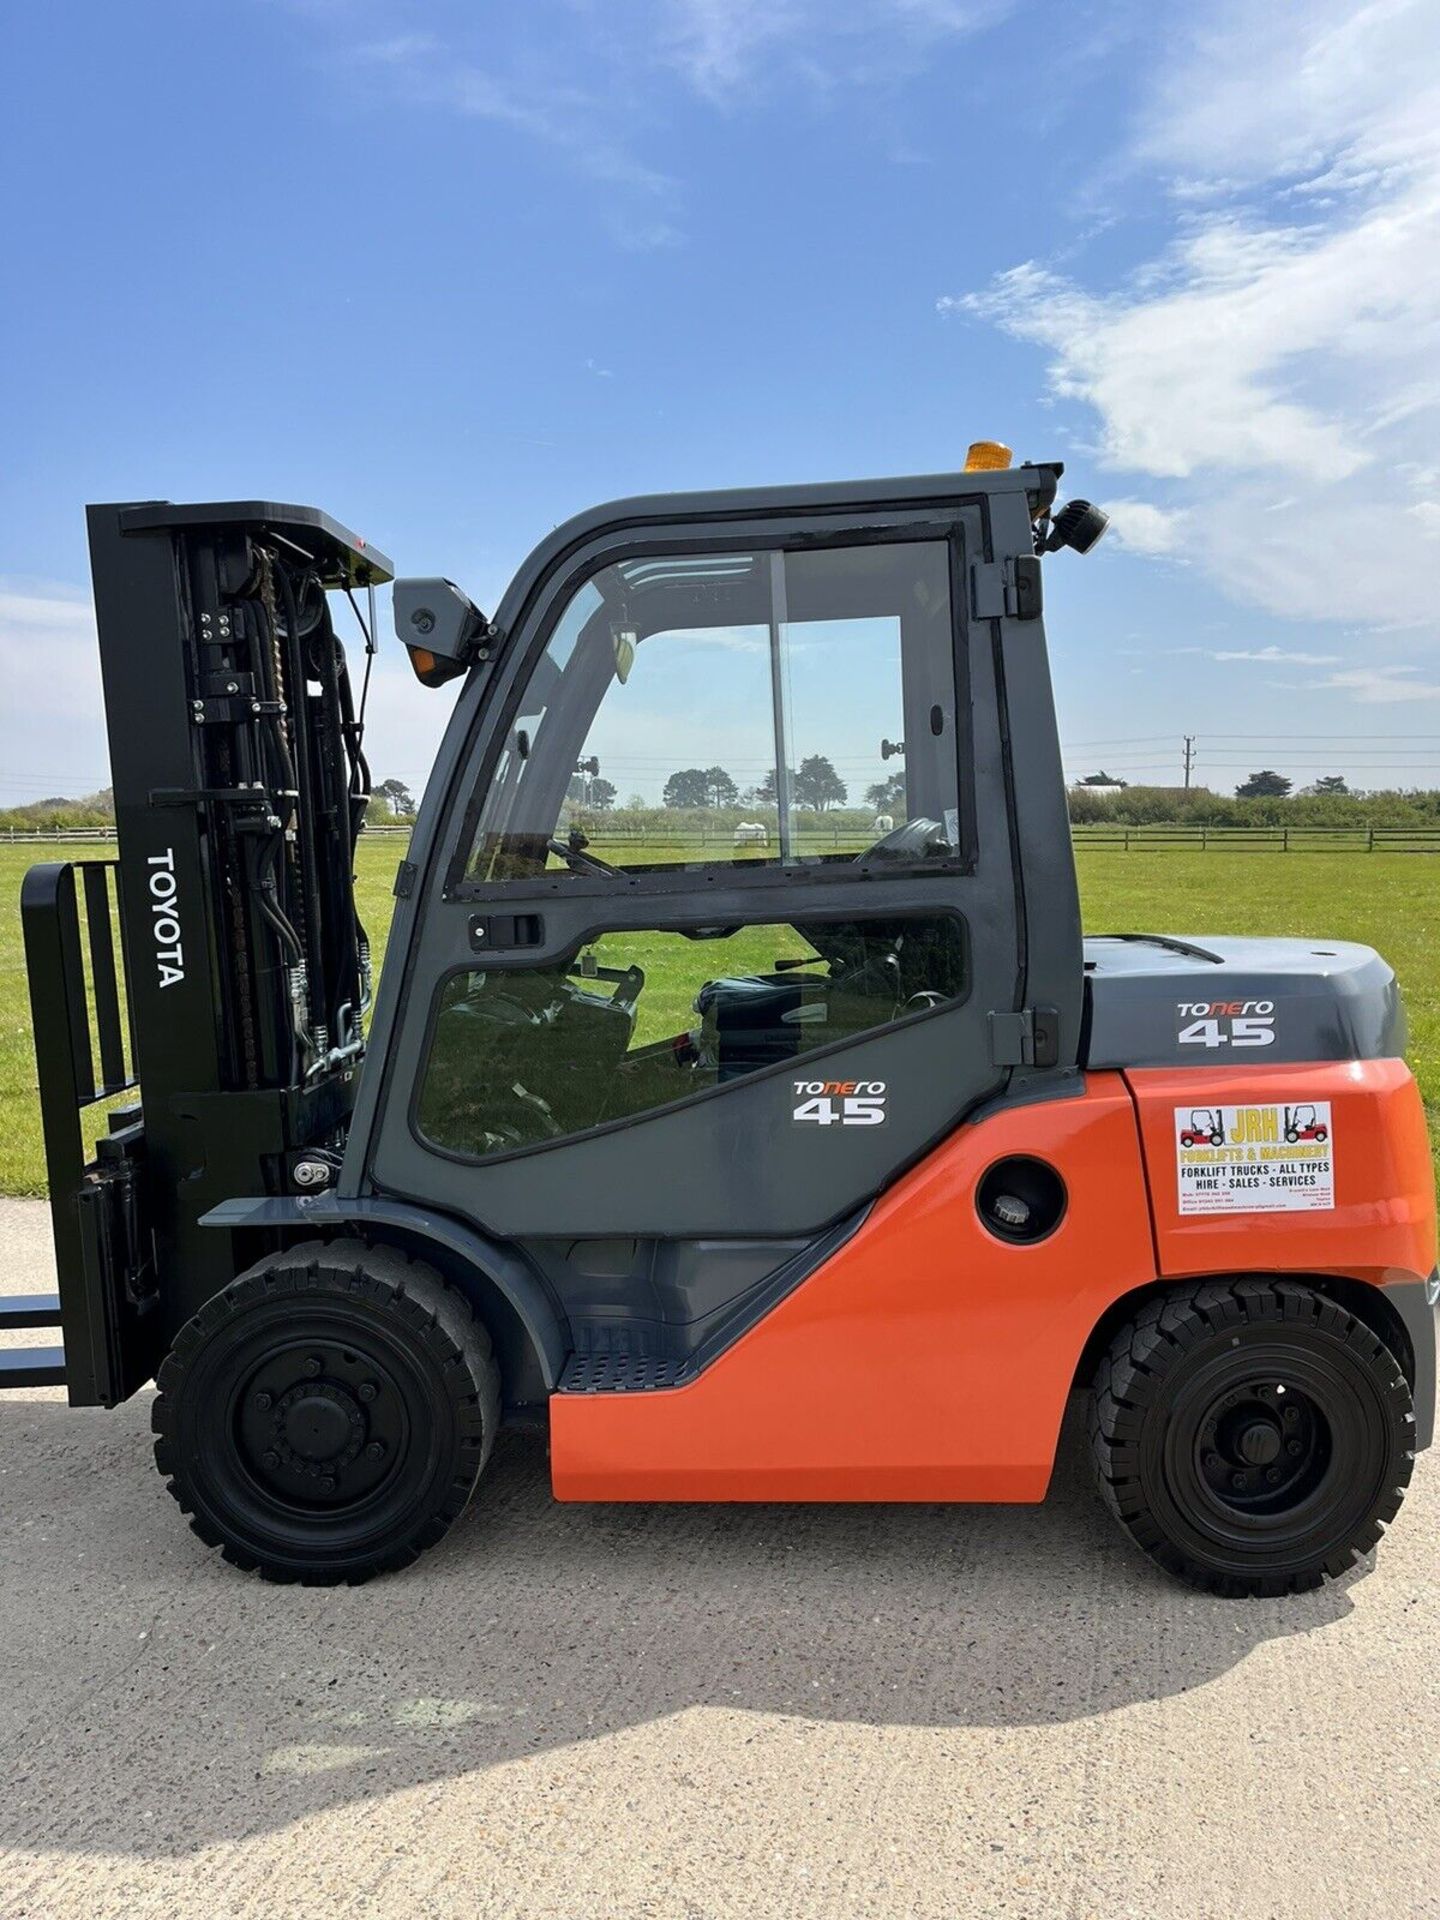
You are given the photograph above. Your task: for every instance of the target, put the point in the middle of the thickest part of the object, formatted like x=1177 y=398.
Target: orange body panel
x=925 y=1360
x=1382 y=1226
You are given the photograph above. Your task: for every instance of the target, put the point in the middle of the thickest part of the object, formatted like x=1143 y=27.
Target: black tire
x=327 y=1416
x=1251 y=1436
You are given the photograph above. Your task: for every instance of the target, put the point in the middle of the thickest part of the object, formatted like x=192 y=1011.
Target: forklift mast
x=240 y=787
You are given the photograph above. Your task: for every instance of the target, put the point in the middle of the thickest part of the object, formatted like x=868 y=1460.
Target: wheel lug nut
x=327 y=1484
x=1294 y=1449
x=312 y=1367
x=1238 y=1479
x=368 y=1390
x=375 y=1450
x=1212 y=1460
x=1273 y=1476
x=271 y=1460
x=263 y=1402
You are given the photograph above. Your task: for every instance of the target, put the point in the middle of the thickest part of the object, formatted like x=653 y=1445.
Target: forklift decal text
x=1226 y=1023
x=1264 y=1159
x=845 y=1103
x=164 y=920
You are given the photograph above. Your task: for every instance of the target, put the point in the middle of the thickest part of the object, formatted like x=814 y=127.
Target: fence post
x=1284 y=839
x=1370 y=839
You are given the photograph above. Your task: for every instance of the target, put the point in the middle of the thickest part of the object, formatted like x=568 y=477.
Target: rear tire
x=327 y=1416
x=1251 y=1436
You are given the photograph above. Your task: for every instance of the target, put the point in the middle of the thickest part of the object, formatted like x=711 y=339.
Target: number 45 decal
x=1234 y=1023
x=844 y=1103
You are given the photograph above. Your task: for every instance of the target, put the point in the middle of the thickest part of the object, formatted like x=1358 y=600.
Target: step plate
x=618 y=1373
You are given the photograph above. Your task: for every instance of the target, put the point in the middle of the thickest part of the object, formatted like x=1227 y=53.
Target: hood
x=1162 y=1000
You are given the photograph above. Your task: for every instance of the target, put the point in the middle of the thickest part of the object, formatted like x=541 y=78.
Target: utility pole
x=1189 y=758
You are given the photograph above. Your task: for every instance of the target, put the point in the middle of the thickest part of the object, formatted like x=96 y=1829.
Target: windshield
x=764 y=708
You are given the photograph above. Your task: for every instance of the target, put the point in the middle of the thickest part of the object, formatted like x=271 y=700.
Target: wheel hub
x=320 y=1425
x=1262 y=1448
x=1259 y=1444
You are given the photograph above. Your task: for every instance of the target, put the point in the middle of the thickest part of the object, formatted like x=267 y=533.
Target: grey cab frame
x=732 y=1161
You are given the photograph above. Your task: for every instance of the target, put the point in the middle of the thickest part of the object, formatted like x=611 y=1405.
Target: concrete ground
x=700 y=1711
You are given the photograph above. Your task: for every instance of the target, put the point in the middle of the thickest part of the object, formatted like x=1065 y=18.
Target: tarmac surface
x=589 y=1711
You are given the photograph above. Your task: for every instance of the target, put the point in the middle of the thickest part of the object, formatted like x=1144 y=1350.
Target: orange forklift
x=818 y=1162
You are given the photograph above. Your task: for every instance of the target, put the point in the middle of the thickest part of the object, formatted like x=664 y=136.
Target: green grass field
x=1390 y=901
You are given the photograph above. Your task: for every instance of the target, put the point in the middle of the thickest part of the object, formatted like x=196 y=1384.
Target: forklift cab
x=654 y=1038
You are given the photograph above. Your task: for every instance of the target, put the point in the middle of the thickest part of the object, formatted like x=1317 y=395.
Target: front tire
x=328 y=1415
x=1251 y=1436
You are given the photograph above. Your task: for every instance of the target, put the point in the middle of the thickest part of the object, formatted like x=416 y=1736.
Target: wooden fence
x=1156 y=839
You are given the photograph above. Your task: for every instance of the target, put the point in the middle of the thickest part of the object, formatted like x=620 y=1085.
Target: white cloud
x=594 y=92
x=1145 y=528
x=724 y=48
x=1283 y=344
x=1382 y=686
x=1271 y=654
x=52 y=732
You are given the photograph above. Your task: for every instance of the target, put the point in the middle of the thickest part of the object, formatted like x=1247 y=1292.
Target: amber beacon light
x=988 y=456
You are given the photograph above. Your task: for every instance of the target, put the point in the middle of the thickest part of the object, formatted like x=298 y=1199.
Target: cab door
x=719 y=913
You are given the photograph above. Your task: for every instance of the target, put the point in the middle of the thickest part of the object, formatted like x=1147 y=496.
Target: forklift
x=1205 y=1128
x=762 y=1169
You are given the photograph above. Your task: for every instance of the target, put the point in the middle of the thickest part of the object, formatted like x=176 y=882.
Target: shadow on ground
x=155 y=1700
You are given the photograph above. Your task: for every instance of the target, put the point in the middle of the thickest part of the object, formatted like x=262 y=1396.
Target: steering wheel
x=918 y=839
x=576 y=856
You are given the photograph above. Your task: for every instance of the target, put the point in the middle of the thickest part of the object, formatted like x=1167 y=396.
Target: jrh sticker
x=1256 y=1159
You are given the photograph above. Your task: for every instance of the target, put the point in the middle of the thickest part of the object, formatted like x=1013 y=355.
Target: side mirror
x=441 y=629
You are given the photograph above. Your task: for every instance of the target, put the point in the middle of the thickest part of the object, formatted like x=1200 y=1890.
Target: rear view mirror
x=440 y=627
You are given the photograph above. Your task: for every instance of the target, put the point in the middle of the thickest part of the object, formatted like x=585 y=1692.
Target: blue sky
x=454 y=271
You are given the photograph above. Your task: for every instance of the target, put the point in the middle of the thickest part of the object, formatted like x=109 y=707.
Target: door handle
x=497 y=932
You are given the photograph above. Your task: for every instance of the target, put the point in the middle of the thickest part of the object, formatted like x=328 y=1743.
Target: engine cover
x=1156 y=1000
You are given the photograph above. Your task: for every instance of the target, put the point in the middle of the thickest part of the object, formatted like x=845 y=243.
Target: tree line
x=1264 y=785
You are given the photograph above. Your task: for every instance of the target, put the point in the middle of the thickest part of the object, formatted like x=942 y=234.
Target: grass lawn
x=1390 y=901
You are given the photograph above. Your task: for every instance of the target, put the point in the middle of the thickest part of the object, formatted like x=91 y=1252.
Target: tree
x=818 y=785
x=1102 y=779
x=602 y=795
x=887 y=796
x=690 y=787
x=721 y=789
x=765 y=792
x=1330 y=783
x=397 y=796
x=1265 y=785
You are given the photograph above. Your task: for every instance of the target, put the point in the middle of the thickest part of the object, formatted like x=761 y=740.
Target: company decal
x=843 y=1103
x=1268 y=1159
x=1226 y=1023
x=165 y=919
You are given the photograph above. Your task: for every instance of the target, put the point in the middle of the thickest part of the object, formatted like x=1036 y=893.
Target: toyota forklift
x=821 y=1164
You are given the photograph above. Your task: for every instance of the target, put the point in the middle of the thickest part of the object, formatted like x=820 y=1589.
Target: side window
x=640 y=1020
x=772 y=708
